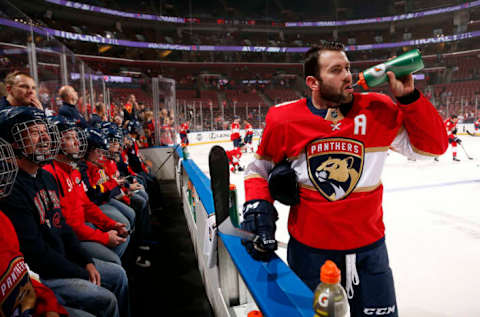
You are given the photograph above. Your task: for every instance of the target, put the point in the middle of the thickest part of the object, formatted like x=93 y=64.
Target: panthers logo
x=335 y=166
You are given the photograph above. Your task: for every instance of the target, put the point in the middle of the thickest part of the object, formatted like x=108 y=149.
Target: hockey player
x=248 y=137
x=235 y=132
x=22 y=293
x=234 y=160
x=49 y=245
x=184 y=130
x=476 y=124
x=337 y=142
x=451 y=126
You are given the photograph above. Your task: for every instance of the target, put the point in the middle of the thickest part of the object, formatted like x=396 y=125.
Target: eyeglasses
x=25 y=86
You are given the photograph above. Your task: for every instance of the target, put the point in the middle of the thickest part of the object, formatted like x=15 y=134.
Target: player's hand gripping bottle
x=330 y=299
x=402 y=65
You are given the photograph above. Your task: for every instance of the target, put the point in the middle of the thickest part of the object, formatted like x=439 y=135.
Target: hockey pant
x=366 y=275
x=184 y=138
x=237 y=142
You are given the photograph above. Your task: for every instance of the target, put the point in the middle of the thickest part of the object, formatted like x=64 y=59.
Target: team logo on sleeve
x=335 y=166
x=17 y=295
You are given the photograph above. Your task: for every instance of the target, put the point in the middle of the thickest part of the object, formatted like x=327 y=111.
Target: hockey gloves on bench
x=259 y=217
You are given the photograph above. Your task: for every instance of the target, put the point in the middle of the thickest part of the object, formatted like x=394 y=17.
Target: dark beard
x=327 y=93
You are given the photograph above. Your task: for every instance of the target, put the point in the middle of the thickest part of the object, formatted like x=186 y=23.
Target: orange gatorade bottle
x=330 y=299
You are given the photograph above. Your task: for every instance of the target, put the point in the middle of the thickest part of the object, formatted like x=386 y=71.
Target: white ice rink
x=432 y=219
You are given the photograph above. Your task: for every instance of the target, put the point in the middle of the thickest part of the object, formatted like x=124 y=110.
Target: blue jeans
x=128 y=212
x=142 y=194
x=102 y=252
x=115 y=214
x=72 y=312
x=142 y=208
x=109 y=300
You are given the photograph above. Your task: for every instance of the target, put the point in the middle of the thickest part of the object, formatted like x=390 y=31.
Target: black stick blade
x=219 y=182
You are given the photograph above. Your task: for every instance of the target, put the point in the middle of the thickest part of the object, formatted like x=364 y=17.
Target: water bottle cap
x=362 y=82
x=329 y=273
x=255 y=313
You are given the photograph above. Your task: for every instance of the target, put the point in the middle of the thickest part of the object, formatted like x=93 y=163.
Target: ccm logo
x=379 y=311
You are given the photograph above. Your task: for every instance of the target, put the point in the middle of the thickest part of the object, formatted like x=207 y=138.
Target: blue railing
x=276 y=289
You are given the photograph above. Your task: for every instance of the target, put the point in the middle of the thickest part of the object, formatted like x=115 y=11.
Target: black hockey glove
x=259 y=217
x=283 y=185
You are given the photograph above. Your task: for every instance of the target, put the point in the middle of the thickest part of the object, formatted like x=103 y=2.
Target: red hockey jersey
x=235 y=129
x=248 y=129
x=450 y=125
x=339 y=162
x=184 y=128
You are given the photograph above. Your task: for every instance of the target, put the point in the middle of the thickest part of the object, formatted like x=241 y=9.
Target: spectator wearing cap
x=68 y=109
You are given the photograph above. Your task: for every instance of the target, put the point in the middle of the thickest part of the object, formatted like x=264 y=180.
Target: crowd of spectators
x=80 y=204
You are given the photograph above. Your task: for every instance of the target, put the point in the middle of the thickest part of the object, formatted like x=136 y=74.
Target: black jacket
x=49 y=245
x=70 y=112
x=4 y=103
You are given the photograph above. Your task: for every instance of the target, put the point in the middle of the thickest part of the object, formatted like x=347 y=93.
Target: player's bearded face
x=334 y=93
x=335 y=78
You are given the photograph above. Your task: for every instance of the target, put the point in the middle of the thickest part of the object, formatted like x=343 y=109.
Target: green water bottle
x=186 y=153
x=402 y=65
x=233 y=208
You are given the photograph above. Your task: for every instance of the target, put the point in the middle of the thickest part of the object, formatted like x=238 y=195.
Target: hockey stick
x=165 y=161
x=470 y=133
x=220 y=183
x=468 y=156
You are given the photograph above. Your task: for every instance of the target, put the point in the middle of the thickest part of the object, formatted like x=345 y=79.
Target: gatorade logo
x=378 y=70
x=382 y=311
x=323 y=299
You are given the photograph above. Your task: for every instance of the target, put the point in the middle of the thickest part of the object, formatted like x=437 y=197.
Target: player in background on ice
x=451 y=126
x=476 y=124
x=335 y=144
x=234 y=160
x=184 y=130
x=22 y=293
x=248 y=137
x=235 y=132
